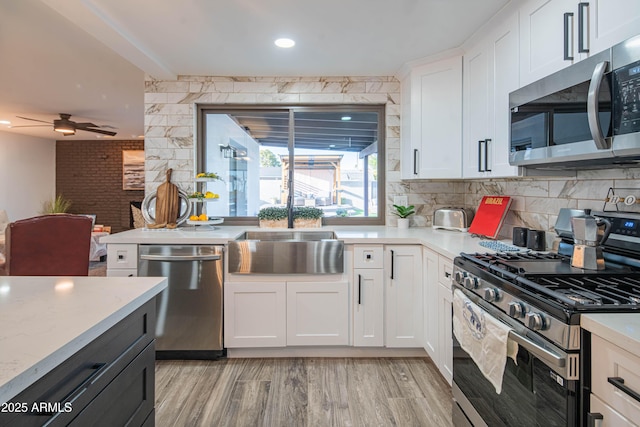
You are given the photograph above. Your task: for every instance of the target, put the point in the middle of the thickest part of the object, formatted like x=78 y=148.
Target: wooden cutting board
x=167 y=203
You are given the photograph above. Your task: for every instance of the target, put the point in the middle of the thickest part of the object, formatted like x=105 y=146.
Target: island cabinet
x=558 y=33
x=278 y=313
x=109 y=382
x=403 y=296
x=615 y=384
x=438 y=340
x=368 y=296
x=432 y=120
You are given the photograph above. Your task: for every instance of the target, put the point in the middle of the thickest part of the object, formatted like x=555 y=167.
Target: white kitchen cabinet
x=317 y=313
x=438 y=341
x=368 y=307
x=491 y=72
x=255 y=314
x=610 y=363
x=403 y=296
x=544 y=46
x=431 y=127
x=122 y=259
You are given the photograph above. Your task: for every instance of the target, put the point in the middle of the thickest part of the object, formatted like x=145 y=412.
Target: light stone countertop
x=446 y=242
x=621 y=329
x=45 y=320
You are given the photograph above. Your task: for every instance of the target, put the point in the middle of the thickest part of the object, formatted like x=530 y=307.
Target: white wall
x=27 y=174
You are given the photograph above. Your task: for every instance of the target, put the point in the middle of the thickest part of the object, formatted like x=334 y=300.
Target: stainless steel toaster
x=452 y=218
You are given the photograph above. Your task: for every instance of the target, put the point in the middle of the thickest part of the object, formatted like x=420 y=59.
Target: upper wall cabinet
x=431 y=128
x=490 y=73
x=557 y=33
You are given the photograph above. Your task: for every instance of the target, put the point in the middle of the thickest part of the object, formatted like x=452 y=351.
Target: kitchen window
x=320 y=156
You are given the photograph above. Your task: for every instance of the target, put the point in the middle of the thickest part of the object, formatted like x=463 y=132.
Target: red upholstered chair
x=48 y=245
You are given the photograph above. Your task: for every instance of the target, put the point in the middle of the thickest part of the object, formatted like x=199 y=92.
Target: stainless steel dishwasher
x=189 y=311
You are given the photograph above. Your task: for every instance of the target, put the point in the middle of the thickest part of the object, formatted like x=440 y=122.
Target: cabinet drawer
x=369 y=256
x=122 y=256
x=611 y=361
x=610 y=418
x=445 y=271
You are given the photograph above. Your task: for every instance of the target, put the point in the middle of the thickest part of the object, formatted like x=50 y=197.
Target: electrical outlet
x=400 y=200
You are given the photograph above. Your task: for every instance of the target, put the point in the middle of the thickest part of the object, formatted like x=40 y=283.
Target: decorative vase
x=403 y=223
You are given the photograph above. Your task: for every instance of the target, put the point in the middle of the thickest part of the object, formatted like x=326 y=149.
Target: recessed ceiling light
x=5 y=122
x=345 y=118
x=285 y=43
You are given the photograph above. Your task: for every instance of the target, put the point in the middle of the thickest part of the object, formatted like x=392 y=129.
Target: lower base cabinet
x=278 y=314
x=109 y=382
x=368 y=307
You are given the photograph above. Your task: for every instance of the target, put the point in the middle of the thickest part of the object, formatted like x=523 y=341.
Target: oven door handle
x=538 y=351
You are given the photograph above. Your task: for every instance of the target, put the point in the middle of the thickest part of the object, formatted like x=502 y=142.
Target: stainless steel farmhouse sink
x=286 y=252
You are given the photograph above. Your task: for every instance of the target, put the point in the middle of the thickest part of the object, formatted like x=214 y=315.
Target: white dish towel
x=485 y=338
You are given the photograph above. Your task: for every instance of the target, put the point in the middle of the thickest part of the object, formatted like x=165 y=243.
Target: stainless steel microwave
x=586 y=115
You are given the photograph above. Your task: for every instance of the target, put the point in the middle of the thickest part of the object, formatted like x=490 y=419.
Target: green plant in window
x=404 y=211
x=272 y=213
x=308 y=212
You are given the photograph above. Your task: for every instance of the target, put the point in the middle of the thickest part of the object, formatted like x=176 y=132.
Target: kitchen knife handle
x=567 y=16
x=619 y=384
x=582 y=14
x=415 y=161
x=359 y=289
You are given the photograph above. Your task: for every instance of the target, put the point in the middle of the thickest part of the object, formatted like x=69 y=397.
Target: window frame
x=200 y=150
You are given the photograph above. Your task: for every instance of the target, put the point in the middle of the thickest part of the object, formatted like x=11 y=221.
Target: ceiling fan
x=68 y=127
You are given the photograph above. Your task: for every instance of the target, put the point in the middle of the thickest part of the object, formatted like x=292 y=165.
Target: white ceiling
x=88 y=57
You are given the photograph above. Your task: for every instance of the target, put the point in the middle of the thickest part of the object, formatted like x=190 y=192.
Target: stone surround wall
x=169 y=142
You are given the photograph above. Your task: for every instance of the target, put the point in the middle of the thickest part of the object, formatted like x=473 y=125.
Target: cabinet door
x=612 y=21
x=431 y=304
x=317 y=313
x=478 y=97
x=255 y=314
x=445 y=299
x=610 y=417
x=368 y=307
x=432 y=119
x=542 y=38
x=403 y=296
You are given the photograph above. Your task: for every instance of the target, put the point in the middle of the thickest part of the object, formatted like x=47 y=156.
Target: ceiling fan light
x=62 y=127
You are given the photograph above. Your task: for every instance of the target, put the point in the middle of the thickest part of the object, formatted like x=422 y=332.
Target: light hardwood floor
x=302 y=392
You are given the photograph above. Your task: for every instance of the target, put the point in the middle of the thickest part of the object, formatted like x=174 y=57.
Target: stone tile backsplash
x=169 y=143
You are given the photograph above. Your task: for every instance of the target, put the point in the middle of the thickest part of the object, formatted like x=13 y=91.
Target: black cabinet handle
x=593 y=418
x=480 y=155
x=582 y=14
x=392 y=256
x=447 y=274
x=567 y=16
x=359 y=289
x=415 y=161
x=486 y=155
x=619 y=383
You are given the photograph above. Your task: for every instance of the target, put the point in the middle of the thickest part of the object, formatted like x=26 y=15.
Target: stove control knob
x=516 y=310
x=491 y=294
x=536 y=321
x=459 y=277
x=470 y=282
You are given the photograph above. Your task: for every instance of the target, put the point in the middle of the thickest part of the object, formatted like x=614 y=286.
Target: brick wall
x=89 y=173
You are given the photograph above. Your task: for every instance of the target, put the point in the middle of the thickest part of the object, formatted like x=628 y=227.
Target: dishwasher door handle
x=180 y=257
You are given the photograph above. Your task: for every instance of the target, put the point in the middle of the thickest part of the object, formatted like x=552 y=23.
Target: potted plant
x=403 y=212
x=57 y=205
x=307 y=217
x=273 y=217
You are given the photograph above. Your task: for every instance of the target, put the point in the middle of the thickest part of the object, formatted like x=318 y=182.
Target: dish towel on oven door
x=485 y=339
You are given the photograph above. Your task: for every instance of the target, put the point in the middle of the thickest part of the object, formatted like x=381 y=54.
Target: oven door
x=535 y=391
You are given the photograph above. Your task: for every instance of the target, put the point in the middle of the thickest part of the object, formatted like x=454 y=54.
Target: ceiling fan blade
x=35 y=120
x=85 y=125
x=103 y=132
x=29 y=126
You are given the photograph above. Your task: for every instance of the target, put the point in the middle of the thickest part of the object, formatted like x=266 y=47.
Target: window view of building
x=325 y=157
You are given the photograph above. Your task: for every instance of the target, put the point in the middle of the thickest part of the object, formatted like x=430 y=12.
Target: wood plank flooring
x=301 y=392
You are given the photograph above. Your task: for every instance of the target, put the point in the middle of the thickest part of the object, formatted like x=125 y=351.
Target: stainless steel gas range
x=540 y=296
